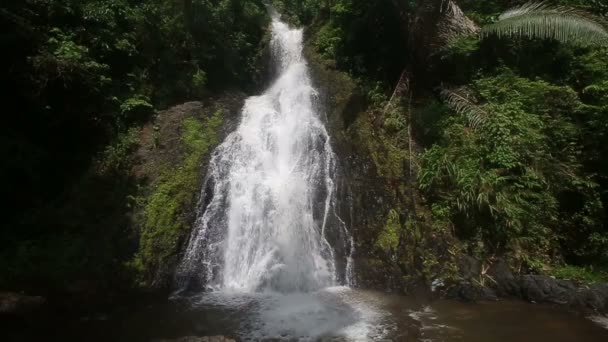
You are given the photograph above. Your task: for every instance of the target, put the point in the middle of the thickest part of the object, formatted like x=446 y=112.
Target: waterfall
x=268 y=218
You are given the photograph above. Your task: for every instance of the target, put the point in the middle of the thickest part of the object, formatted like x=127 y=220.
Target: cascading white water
x=269 y=221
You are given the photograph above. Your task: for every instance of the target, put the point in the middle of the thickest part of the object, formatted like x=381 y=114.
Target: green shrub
x=503 y=181
x=136 y=108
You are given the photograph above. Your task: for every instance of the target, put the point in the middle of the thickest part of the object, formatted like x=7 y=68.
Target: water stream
x=267 y=239
x=269 y=222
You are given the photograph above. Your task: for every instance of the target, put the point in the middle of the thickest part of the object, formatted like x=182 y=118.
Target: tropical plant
x=531 y=20
x=538 y=20
x=463 y=102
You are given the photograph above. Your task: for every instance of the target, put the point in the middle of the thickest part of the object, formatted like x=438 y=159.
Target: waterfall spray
x=270 y=220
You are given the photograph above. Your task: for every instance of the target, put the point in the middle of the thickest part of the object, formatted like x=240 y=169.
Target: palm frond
x=538 y=20
x=464 y=103
x=454 y=22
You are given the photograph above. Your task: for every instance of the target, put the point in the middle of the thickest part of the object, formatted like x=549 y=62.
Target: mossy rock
x=374 y=177
x=173 y=156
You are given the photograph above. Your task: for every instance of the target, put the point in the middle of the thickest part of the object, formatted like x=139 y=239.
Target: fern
x=537 y=20
x=463 y=102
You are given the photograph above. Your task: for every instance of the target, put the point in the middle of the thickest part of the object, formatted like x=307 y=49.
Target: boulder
x=505 y=282
x=470 y=292
x=544 y=289
x=469 y=267
x=593 y=299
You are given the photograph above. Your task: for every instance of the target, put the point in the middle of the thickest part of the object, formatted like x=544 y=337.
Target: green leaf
x=463 y=102
x=537 y=20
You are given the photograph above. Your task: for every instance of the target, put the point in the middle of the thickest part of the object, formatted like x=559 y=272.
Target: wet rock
x=592 y=299
x=470 y=292
x=470 y=288
x=162 y=144
x=505 y=283
x=595 y=298
x=501 y=282
x=12 y=303
x=543 y=289
x=469 y=267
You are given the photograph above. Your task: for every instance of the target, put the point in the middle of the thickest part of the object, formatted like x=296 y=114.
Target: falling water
x=268 y=217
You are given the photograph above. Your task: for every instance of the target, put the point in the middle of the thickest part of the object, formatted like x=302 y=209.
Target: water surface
x=334 y=314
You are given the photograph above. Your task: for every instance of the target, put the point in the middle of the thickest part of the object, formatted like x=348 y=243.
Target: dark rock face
x=469 y=267
x=595 y=297
x=544 y=289
x=359 y=185
x=375 y=180
x=505 y=282
x=537 y=288
x=161 y=144
x=501 y=282
x=470 y=292
x=17 y=304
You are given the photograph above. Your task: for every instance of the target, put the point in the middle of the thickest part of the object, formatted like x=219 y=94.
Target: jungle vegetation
x=507 y=102
x=507 y=107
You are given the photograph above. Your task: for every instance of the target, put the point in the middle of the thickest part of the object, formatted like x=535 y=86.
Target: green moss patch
x=582 y=274
x=163 y=218
x=388 y=239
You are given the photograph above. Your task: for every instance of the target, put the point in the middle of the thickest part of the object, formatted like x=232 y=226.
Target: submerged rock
x=12 y=303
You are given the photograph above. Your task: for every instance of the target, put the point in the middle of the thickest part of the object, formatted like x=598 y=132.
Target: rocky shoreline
x=500 y=282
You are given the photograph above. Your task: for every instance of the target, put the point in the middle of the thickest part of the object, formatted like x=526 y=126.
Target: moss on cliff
x=166 y=205
x=388 y=151
x=398 y=244
x=388 y=239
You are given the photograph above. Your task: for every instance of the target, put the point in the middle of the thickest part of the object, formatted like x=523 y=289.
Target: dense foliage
x=511 y=123
x=524 y=176
x=503 y=134
x=76 y=76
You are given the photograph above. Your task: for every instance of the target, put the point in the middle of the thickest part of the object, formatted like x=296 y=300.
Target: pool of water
x=333 y=314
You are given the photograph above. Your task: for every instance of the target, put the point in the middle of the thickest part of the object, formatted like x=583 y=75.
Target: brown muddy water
x=333 y=314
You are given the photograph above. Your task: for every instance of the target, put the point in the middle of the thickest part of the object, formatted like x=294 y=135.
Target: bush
x=504 y=181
